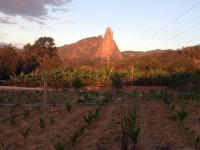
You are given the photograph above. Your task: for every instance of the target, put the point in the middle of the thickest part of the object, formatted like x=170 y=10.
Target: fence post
x=44 y=91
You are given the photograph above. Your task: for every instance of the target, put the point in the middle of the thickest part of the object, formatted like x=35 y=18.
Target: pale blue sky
x=137 y=24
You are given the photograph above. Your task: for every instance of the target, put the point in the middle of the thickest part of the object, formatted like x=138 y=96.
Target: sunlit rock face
x=92 y=48
x=109 y=49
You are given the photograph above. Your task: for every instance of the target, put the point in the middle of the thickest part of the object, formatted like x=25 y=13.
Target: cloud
x=2 y=36
x=37 y=20
x=30 y=8
x=60 y=9
x=6 y=20
x=70 y=22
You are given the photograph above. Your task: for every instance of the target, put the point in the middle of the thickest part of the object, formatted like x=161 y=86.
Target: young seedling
x=59 y=146
x=76 y=135
x=52 y=120
x=133 y=131
x=42 y=122
x=26 y=113
x=97 y=112
x=25 y=133
x=4 y=146
x=181 y=115
x=68 y=106
x=12 y=119
x=89 y=118
x=196 y=139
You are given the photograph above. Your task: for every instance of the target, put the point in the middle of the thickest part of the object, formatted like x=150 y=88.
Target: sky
x=138 y=25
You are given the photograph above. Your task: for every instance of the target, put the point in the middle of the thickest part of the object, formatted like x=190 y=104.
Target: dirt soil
x=158 y=130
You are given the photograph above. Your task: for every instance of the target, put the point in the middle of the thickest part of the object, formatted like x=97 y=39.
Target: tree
x=8 y=62
x=45 y=46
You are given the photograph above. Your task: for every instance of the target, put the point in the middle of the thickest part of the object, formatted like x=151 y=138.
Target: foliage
x=77 y=82
x=8 y=62
x=118 y=79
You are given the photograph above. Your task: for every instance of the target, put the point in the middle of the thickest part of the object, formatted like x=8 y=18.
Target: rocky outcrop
x=109 y=49
x=84 y=48
x=91 y=48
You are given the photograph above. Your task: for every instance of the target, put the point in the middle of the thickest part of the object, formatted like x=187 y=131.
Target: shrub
x=118 y=80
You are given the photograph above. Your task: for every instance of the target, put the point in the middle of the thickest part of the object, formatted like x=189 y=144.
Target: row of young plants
x=129 y=127
x=93 y=97
x=71 y=141
x=179 y=113
x=26 y=131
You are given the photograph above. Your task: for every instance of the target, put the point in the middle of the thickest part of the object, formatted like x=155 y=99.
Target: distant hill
x=187 y=59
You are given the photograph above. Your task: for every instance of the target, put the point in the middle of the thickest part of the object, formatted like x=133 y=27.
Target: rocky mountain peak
x=92 y=48
x=108 y=33
x=109 y=49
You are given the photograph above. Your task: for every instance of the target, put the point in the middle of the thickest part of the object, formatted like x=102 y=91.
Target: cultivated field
x=101 y=119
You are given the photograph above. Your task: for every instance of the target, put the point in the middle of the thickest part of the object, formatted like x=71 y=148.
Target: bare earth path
x=158 y=132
